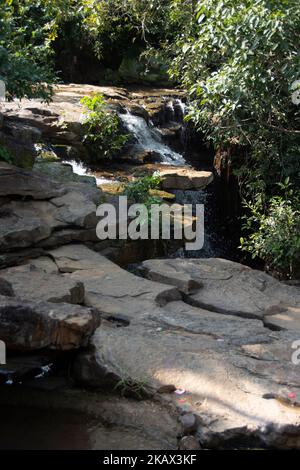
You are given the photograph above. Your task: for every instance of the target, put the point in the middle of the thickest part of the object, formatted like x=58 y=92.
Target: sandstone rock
x=229 y=386
x=65 y=236
x=183 y=178
x=15 y=181
x=108 y=287
x=26 y=325
x=223 y=328
x=19 y=257
x=225 y=363
x=43 y=263
x=75 y=208
x=30 y=283
x=24 y=224
x=164 y=272
x=288 y=319
x=24 y=133
x=230 y=288
x=70 y=217
x=22 y=154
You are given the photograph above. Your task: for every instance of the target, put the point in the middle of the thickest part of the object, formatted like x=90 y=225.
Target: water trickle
x=148 y=138
x=80 y=170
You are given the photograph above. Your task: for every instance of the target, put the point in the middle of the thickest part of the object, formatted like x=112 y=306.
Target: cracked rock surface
x=237 y=375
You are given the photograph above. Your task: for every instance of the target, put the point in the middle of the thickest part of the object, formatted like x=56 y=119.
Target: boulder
x=164 y=272
x=28 y=326
x=75 y=208
x=25 y=223
x=184 y=179
x=222 y=386
x=15 y=181
x=24 y=133
x=64 y=216
x=30 y=282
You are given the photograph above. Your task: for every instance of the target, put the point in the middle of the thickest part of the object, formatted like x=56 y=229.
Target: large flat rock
x=231 y=288
x=26 y=325
x=225 y=387
x=237 y=375
x=30 y=282
x=108 y=287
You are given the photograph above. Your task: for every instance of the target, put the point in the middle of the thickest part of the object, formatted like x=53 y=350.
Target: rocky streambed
x=188 y=353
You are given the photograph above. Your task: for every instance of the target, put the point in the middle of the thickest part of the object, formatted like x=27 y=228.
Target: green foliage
x=138 y=389
x=140 y=27
x=26 y=31
x=241 y=67
x=103 y=132
x=108 y=27
x=274 y=229
x=5 y=155
x=139 y=190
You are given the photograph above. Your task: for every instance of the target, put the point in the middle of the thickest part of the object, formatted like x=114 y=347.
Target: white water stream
x=149 y=139
x=79 y=169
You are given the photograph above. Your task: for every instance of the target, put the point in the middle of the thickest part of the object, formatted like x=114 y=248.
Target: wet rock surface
x=60 y=122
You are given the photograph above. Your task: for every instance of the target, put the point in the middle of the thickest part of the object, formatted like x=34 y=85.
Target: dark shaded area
x=34 y=429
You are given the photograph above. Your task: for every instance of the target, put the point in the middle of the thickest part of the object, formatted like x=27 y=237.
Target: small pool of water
x=36 y=429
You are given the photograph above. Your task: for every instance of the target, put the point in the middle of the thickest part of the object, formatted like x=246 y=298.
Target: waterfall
x=148 y=138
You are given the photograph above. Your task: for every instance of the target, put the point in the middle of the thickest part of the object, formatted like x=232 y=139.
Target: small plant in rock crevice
x=138 y=389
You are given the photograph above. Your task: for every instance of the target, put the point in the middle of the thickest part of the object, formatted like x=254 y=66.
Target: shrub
x=102 y=128
x=275 y=231
x=139 y=190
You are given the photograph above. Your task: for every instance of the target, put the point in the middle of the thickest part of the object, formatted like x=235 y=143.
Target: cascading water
x=148 y=138
x=216 y=243
x=80 y=170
